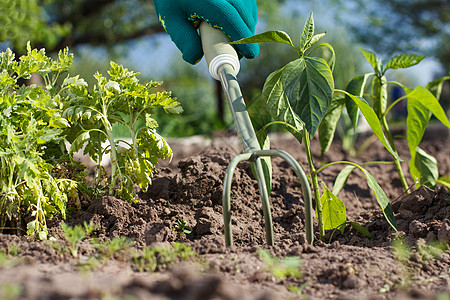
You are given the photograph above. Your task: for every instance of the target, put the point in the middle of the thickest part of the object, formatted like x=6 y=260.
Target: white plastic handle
x=217 y=52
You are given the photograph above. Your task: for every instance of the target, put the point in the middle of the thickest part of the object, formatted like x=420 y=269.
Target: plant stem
x=113 y=159
x=382 y=117
x=315 y=182
x=397 y=162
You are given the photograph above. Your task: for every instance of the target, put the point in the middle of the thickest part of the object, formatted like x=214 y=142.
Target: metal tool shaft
x=223 y=64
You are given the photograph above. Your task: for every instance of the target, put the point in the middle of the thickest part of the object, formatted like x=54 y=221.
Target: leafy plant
x=121 y=99
x=300 y=97
x=281 y=268
x=31 y=135
x=421 y=104
x=75 y=235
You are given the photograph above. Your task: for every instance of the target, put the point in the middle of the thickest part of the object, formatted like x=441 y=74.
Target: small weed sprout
x=10 y=291
x=180 y=226
x=55 y=244
x=121 y=246
x=299 y=289
x=281 y=268
x=14 y=249
x=421 y=252
x=153 y=258
x=74 y=235
x=6 y=261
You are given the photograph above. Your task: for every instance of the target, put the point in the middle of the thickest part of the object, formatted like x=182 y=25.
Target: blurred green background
x=127 y=32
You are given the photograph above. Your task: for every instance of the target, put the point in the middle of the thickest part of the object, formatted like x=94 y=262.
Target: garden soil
x=392 y=265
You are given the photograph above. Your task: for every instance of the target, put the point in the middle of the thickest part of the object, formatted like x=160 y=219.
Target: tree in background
x=392 y=26
x=55 y=24
x=25 y=20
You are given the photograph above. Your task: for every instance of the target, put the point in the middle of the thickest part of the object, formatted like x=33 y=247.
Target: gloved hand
x=236 y=18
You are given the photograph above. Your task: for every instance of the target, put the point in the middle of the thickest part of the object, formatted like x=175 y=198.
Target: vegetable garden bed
x=133 y=255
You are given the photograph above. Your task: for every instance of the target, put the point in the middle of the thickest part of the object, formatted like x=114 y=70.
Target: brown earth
x=189 y=188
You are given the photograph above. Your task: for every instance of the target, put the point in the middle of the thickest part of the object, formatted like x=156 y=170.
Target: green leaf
x=79 y=142
x=424 y=169
x=444 y=180
x=329 y=123
x=435 y=86
x=267 y=37
x=307 y=33
x=361 y=229
x=314 y=40
x=354 y=87
x=342 y=178
x=74 y=81
x=372 y=59
x=373 y=122
x=404 y=60
x=32 y=227
x=382 y=199
x=420 y=103
x=278 y=103
x=308 y=84
x=333 y=209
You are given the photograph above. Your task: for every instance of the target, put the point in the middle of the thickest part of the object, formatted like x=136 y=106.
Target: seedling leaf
x=361 y=229
x=304 y=89
x=307 y=34
x=267 y=37
x=445 y=180
x=278 y=103
x=314 y=40
x=435 y=86
x=382 y=199
x=328 y=125
x=420 y=103
x=354 y=87
x=372 y=59
x=424 y=169
x=333 y=209
x=404 y=60
x=373 y=122
x=342 y=178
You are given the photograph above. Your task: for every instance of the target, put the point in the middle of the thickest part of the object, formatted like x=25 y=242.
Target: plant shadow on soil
x=189 y=188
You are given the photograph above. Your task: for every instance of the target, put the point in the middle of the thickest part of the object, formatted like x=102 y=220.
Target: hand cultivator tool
x=224 y=65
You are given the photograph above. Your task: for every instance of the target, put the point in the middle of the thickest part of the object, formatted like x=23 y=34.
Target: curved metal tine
x=304 y=183
x=226 y=202
x=226 y=195
x=265 y=202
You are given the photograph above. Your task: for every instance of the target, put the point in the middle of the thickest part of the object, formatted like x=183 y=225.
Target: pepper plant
x=299 y=96
x=421 y=104
x=119 y=99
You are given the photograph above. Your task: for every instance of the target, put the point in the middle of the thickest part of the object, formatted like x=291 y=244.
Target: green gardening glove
x=180 y=18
